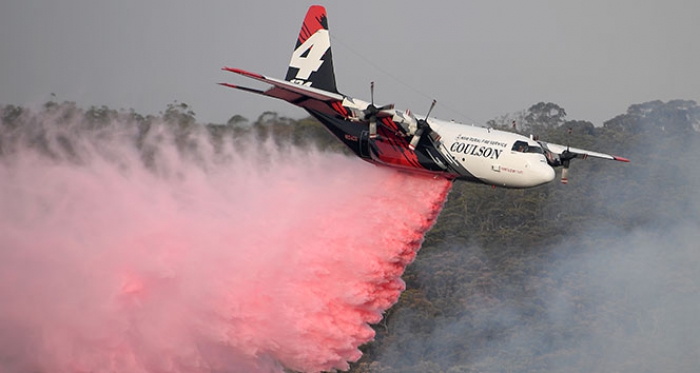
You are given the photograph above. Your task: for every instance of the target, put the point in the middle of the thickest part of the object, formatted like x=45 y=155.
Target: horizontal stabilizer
x=308 y=92
x=247 y=89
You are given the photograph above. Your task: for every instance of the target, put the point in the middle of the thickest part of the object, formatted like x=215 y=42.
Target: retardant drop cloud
x=132 y=256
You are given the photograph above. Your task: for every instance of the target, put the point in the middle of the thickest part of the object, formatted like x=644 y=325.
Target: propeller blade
x=423 y=125
x=372 y=113
x=416 y=138
x=373 y=127
x=432 y=106
x=566 y=161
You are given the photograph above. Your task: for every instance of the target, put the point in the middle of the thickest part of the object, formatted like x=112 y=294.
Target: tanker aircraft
x=401 y=139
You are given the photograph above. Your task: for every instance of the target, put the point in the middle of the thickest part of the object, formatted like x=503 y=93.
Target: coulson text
x=475 y=150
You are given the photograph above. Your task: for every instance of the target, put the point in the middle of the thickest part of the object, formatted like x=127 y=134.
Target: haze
x=479 y=59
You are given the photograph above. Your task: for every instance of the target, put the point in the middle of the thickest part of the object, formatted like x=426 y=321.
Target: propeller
x=422 y=127
x=566 y=156
x=371 y=113
x=563 y=159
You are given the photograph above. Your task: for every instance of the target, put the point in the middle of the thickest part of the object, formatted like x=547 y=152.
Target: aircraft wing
x=284 y=90
x=579 y=153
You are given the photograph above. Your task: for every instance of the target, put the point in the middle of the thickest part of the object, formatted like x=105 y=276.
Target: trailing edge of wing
x=305 y=91
x=559 y=149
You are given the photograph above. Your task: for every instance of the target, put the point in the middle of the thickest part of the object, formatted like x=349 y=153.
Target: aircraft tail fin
x=312 y=62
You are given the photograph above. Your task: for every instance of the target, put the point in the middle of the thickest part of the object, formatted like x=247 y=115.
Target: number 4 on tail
x=308 y=57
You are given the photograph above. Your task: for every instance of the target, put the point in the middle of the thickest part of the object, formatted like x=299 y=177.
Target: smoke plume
x=120 y=252
x=615 y=290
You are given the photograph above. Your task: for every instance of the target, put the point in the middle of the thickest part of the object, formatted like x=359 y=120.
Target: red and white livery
x=400 y=139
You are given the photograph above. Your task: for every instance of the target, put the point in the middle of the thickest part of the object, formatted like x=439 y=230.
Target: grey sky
x=480 y=59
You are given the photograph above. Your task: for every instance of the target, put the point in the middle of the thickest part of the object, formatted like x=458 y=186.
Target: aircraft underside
x=390 y=147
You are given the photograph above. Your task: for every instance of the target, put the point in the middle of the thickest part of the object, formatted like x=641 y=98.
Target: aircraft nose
x=545 y=173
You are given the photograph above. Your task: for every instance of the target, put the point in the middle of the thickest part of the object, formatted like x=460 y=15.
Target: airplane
x=400 y=139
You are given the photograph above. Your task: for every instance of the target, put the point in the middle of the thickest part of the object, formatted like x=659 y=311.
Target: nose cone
x=545 y=173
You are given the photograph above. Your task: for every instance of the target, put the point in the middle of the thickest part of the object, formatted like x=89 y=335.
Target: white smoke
x=615 y=297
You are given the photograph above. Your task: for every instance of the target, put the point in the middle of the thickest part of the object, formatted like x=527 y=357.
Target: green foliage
x=31 y=127
x=544 y=116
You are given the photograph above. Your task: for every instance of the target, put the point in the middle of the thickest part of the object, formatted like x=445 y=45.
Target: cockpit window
x=520 y=146
x=523 y=147
x=535 y=149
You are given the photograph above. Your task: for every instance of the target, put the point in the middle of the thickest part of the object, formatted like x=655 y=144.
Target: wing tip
x=227 y=85
x=621 y=159
x=242 y=72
